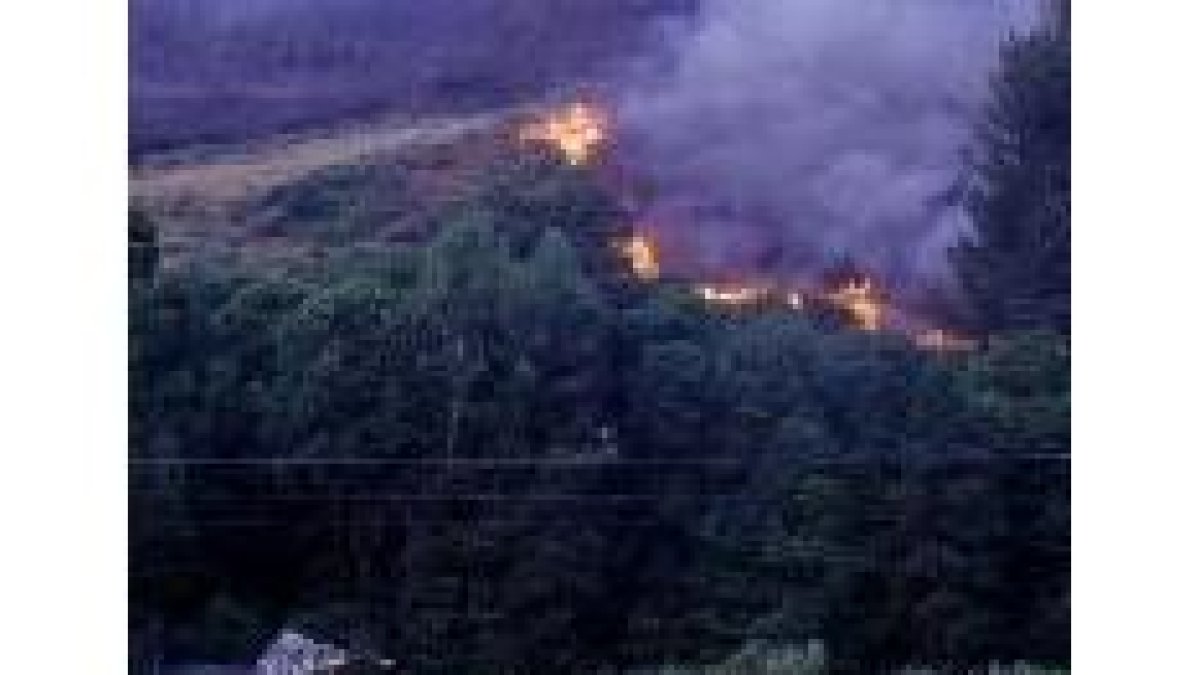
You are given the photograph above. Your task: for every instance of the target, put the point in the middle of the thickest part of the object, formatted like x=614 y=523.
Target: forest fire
x=861 y=300
x=577 y=131
x=640 y=252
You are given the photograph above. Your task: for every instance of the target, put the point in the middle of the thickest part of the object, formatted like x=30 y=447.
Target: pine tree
x=143 y=246
x=1015 y=269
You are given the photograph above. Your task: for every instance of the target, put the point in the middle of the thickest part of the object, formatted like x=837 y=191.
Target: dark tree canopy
x=1015 y=270
x=480 y=457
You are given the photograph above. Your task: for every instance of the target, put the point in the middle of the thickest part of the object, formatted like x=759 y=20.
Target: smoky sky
x=785 y=134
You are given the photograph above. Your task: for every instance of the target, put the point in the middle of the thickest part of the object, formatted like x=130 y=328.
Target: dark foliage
x=478 y=458
x=1016 y=270
x=143 y=246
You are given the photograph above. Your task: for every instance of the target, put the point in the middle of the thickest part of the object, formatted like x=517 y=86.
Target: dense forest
x=499 y=450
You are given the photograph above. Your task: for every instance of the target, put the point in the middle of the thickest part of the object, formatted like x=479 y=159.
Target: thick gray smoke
x=790 y=133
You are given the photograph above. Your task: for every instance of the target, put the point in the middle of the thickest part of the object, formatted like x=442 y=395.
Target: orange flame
x=642 y=255
x=577 y=132
x=862 y=301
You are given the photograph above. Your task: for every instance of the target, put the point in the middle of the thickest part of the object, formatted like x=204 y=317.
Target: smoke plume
x=786 y=134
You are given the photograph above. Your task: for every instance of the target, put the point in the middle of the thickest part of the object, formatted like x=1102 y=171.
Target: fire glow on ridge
x=576 y=131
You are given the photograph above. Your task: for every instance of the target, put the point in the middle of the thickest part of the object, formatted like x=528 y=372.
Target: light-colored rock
x=293 y=653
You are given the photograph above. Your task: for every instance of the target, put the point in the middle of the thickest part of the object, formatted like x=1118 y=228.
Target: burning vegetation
x=577 y=132
x=859 y=301
x=862 y=301
x=641 y=254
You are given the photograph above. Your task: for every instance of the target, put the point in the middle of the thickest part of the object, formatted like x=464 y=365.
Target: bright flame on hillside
x=642 y=255
x=862 y=301
x=576 y=131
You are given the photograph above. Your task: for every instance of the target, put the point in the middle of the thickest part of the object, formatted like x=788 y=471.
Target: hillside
x=449 y=356
x=225 y=70
x=285 y=191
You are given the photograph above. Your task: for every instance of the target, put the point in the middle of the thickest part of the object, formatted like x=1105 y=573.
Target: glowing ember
x=733 y=295
x=862 y=302
x=577 y=132
x=642 y=255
